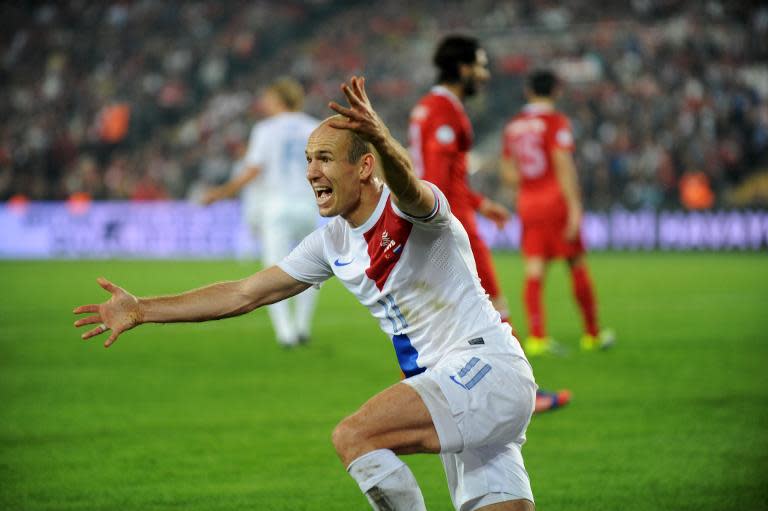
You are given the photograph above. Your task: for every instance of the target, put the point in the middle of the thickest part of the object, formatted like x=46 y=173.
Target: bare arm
x=124 y=311
x=411 y=194
x=510 y=176
x=565 y=169
x=231 y=187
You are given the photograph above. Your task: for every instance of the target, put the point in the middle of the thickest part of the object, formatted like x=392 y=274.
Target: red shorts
x=546 y=240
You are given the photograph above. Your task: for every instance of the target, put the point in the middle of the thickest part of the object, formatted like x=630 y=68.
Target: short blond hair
x=290 y=92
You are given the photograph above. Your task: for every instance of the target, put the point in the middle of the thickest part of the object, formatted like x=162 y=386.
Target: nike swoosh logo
x=457 y=382
x=341 y=263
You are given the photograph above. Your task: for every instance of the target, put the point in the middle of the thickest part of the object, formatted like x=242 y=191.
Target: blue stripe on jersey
x=406 y=355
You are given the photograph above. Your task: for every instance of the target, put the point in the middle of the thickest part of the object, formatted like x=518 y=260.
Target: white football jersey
x=417 y=276
x=277 y=145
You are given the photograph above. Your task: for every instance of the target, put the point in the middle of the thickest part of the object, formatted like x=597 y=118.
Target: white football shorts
x=481 y=400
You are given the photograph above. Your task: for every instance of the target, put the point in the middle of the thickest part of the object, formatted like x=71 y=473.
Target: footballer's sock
x=387 y=482
x=533 y=307
x=280 y=314
x=585 y=297
x=305 y=308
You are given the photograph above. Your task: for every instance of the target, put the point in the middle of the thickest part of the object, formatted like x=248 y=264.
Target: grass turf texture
x=216 y=416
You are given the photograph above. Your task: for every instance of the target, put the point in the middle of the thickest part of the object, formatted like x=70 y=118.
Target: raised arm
x=124 y=311
x=411 y=195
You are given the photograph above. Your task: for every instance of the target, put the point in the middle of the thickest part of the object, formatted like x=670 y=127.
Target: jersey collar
x=365 y=226
x=537 y=108
x=444 y=91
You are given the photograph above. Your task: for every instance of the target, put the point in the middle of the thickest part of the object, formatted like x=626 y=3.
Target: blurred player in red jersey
x=440 y=137
x=537 y=162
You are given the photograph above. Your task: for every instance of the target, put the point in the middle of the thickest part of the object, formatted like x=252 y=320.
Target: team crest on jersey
x=388 y=243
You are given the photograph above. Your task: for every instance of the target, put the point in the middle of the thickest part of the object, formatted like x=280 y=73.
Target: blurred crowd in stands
x=147 y=99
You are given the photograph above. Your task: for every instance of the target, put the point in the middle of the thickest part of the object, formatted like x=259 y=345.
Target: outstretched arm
x=411 y=195
x=231 y=187
x=124 y=311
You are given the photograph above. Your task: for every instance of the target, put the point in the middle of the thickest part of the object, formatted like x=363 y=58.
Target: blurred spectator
x=154 y=102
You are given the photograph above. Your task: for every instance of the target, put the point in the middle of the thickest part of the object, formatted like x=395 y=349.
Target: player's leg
x=535 y=267
x=395 y=421
x=305 y=302
x=584 y=294
x=305 y=309
x=509 y=505
x=491 y=409
x=537 y=343
x=276 y=244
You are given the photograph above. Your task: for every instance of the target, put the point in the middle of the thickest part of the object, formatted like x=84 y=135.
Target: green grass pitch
x=216 y=417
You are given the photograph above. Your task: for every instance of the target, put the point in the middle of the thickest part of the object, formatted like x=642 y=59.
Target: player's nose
x=313 y=170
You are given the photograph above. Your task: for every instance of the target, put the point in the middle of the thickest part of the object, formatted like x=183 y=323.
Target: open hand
x=495 y=212
x=208 y=198
x=118 y=314
x=572 y=227
x=360 y=116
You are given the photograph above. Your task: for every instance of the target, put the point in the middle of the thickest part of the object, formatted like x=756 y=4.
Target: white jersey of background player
x=278 y=203
x=470 y=393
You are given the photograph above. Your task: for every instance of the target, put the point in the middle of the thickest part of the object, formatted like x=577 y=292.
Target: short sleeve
x=256 y=153
x=306 y=262
x=439 y=216
x=562 y=138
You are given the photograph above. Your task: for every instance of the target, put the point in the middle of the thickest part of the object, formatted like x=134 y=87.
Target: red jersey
x=529 y=139
x=440 y=137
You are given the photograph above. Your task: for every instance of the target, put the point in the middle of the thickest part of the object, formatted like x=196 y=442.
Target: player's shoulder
x=526 y=122
x=431 y=105
x=556 y=118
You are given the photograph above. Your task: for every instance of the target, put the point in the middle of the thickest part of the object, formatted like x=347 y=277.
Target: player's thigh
x=534 y=242
x=534 y=266
x=489 y=477
x=395 y=419
x=509 y=505
x=479 y=396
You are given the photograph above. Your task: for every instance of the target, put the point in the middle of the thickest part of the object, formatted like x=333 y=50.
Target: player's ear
x=465 y=70
x=367 y=166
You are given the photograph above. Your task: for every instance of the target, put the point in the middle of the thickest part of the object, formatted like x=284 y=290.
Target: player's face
x=476 y=74
x=335 y=181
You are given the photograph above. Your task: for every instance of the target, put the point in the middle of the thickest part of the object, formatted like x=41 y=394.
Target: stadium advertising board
x=175 y=230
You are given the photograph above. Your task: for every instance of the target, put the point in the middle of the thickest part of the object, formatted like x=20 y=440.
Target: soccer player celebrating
x=537 y=162
x=277 y=201
x=469 y=391
x=440 y=137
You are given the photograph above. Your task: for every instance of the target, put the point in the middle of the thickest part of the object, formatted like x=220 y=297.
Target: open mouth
x=323 y=194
